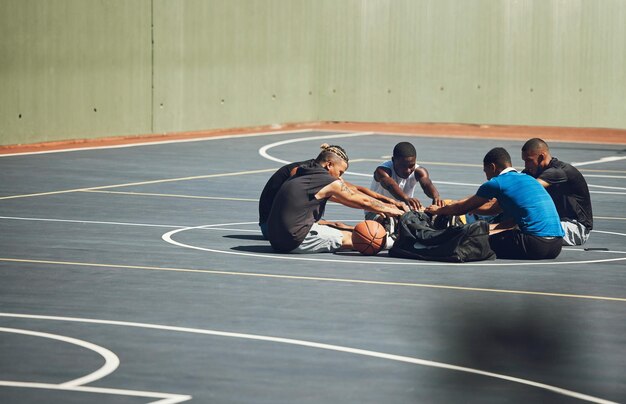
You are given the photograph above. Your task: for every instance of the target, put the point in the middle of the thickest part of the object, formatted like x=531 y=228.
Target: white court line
x=160 y=142
x=602 y=160
x=91 y=222
x=477 y=185
x=434 y=163
x=263 y=150
x=35 y=219
x=605 y=252
x=464 y=184
x=316 y=345
x=167 y=237
x=592 y=170
x=607 y=193
x=608 y=232
x=217 y=198
x=129 y=184
x=221 y=227
x=438 y=163
x=111 y=361
x=607 y=187
x=604 y=176
x=315 y=279
x=165 y=398
x=608 y=218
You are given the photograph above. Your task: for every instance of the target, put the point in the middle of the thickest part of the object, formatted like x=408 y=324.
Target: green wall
x=541 y=62
x=93 y=68
x=74 y=69
x=233 y=63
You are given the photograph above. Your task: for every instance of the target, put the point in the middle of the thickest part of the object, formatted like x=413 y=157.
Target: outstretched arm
x=427 y=186
x=337 y=225
x=339 y=192
x=490 y=208
x=459 y=207
x=376 y=195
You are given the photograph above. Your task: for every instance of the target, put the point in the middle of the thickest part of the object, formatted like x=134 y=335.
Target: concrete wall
x=92 y=68
x=74 y=69
x=532 y=62
x=234 y=63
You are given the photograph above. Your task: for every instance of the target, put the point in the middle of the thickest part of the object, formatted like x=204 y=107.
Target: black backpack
x=418 y=238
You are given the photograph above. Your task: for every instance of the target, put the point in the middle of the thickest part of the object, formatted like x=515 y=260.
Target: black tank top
x=295 y=208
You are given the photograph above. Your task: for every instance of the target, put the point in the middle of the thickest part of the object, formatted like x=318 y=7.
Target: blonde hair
x=336 y=150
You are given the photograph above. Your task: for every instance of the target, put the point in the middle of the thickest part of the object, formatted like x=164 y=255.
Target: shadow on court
x=262 y=249
x=244 y=237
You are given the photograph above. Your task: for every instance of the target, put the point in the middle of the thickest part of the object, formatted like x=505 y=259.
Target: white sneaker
x=388 y=243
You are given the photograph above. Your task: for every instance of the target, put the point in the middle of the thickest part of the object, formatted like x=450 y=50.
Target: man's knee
x=320 y=239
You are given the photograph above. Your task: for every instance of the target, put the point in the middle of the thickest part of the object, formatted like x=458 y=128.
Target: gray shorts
x=320 y=238
x=575 y=233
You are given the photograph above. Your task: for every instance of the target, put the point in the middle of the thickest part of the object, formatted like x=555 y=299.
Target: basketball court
x=135 y=273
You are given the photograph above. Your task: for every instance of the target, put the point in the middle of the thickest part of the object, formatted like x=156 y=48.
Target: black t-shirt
x=569 y=191
x=295 y=208
x=272 y=187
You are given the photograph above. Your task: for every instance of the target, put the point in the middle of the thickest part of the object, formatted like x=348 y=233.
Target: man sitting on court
x=533 y=230
x=567 y=187
x=271 y=188
x=289 y=170
x=397 y=178
x=293 y=224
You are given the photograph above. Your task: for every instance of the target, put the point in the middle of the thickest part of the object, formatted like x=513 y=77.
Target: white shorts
x=575 y=233
x=320 y=238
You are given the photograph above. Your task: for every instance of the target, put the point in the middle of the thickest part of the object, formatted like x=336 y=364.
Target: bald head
x=535 y=144
x=536 y=156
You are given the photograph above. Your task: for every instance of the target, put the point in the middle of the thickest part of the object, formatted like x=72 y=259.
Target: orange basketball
x=369 y=237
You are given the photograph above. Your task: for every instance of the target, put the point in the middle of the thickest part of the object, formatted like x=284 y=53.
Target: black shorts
x=514 y=244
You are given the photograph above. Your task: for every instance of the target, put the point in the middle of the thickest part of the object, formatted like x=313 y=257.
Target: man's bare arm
x=427 y=185
x=490 y=208
x=339 y=192
x=376 y=195
x=459 y=207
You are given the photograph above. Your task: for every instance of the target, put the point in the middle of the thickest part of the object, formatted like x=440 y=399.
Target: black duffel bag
x=418 y=238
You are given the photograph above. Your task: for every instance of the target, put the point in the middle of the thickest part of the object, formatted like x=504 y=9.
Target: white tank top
x=406 y=184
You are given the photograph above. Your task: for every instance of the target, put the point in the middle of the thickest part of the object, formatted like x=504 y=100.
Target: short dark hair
x=498 y=156
x=404 y=149
x=534 y=144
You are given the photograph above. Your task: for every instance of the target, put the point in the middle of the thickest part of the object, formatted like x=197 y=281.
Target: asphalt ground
x=137 y=274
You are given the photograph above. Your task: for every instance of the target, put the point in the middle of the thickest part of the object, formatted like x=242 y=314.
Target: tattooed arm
x=376 y=195
x=341 y=193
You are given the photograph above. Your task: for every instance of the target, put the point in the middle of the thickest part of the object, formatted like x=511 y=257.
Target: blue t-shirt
x=524 y=199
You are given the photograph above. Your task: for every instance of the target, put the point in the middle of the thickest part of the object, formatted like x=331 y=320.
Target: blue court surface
x=137 y=274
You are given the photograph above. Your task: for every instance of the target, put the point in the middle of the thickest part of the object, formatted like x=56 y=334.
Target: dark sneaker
x=391 y=226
